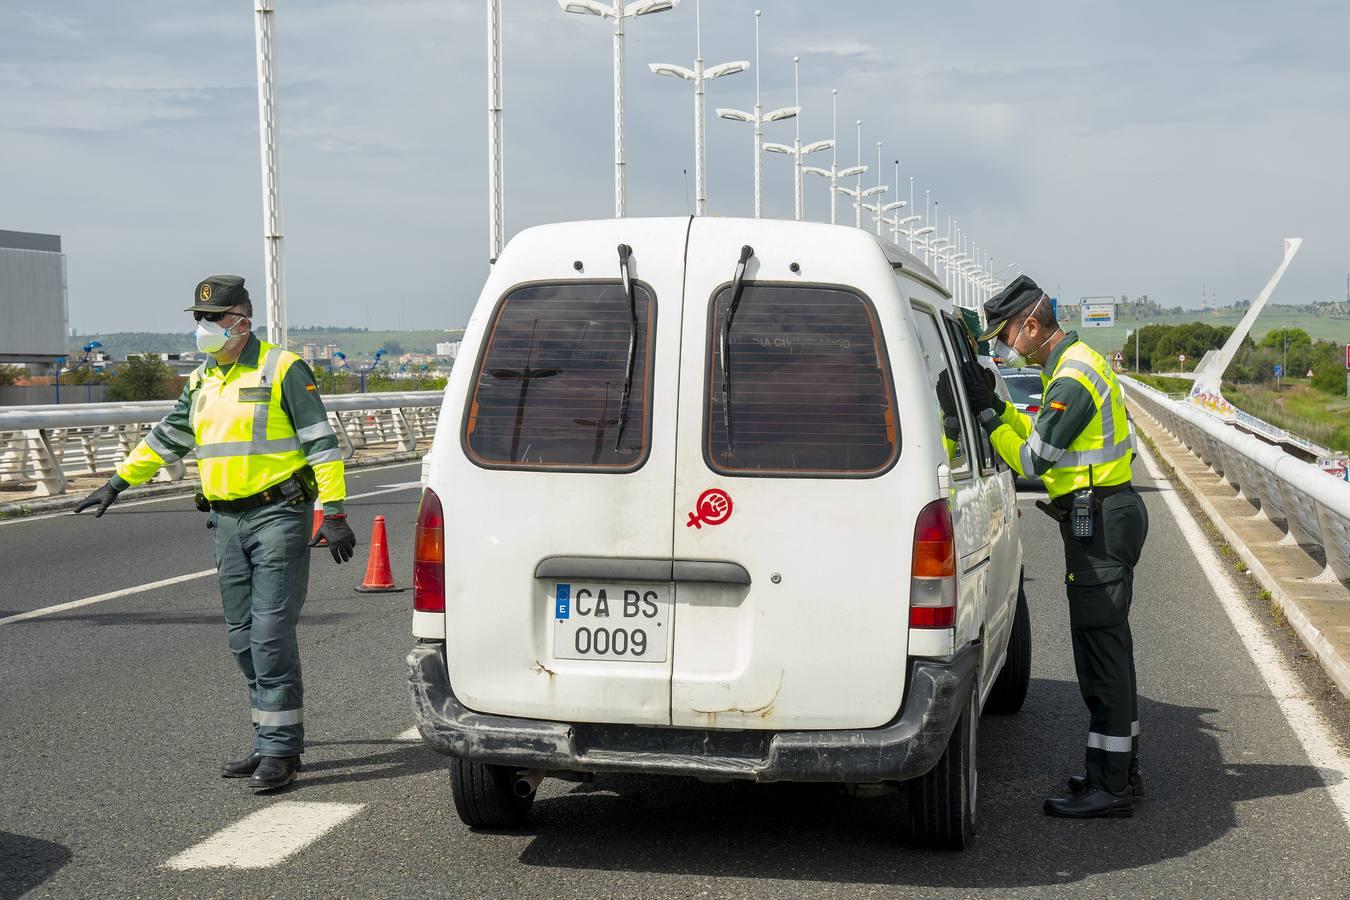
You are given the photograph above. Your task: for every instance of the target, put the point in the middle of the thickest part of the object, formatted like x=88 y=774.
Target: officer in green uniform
x=1080 y=444
x=265 y=452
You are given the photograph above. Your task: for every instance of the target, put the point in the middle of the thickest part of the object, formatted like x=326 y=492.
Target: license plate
x=627 y=622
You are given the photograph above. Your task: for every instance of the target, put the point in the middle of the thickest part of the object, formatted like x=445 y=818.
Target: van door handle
x=612 y=568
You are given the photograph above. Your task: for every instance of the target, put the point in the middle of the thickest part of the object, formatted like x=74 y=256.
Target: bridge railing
x=44 y=446
x=1312 y=507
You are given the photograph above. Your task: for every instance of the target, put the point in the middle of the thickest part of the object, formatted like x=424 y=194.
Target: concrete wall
x=33 y=314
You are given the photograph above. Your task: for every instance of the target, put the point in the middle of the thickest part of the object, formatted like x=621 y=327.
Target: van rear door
x=792 y=532
x=558 y=527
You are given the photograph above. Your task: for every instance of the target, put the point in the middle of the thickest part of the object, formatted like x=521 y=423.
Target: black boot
x=1091 y=804
x=1078 y=784
x=241 y=768
x=274 y=772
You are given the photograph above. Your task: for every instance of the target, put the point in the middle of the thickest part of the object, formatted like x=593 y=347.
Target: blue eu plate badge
x=562 y=601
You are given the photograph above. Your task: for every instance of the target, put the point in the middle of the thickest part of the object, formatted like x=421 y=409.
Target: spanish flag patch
x=1055 y=404
x=311 y=387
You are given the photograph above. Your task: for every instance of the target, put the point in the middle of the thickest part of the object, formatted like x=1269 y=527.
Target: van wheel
x=1010 y=688
x=485 y=795
x=942 y=802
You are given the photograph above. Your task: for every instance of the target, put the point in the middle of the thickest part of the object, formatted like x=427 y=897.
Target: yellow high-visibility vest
x=1105 y=446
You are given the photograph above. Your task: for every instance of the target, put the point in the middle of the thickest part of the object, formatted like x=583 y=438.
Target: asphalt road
x=116 y=716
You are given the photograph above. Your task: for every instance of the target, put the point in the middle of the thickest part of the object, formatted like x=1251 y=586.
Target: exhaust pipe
x=527 y=782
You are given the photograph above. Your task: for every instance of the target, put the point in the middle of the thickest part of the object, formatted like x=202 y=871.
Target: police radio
x=1080 y=516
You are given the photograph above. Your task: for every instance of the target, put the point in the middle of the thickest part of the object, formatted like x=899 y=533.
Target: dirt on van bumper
x=906 y=748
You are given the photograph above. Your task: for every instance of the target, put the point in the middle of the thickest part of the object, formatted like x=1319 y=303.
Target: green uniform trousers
x=262 y=557
x=1100 y=583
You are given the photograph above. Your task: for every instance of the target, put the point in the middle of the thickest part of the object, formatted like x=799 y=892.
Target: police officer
x=265 y=451
x=1081 y=446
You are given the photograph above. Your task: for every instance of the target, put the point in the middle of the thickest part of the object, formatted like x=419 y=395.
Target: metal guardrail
x=1312 y=507
x=46 y=445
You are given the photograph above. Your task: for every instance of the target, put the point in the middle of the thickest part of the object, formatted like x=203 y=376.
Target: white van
x=706 y=499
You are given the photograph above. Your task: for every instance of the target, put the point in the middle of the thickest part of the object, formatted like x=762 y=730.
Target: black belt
x=1099 y=493
x=288 y=491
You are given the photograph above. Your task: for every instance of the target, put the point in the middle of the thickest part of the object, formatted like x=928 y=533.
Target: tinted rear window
x=548 y=388
x=810 y=391
x=1024 y=389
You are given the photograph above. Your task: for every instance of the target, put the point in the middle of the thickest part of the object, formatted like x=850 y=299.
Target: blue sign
x=1279 y=371
x=562 y=601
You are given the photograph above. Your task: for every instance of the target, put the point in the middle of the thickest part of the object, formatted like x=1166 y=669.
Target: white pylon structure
x=496 y=221
x=797 y=151
x=834 y=173
x=698 y=75
x=617 y=12
x=757 y=119
x=274 y=258
x=880 y=209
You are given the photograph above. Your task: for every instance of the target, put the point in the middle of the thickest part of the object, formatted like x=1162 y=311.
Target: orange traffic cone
x=318 y=520
x=379 y=579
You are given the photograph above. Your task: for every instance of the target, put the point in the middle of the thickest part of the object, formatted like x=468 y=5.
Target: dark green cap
x=1009 y=302
x=218 y=293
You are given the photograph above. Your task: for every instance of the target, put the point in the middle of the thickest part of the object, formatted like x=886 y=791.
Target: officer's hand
x=980 y=383
x=341 y=540
x=103 y=498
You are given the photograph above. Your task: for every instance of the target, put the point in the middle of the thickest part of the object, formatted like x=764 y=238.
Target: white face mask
x=211 y=337
x=1014 y=359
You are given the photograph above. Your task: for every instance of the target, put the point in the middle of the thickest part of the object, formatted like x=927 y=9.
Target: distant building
x=448 y=349
x=310 y=352
x=34 y=316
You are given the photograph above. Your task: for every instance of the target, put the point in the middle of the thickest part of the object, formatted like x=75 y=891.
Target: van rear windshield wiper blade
x=625 y=252
x=724 y=339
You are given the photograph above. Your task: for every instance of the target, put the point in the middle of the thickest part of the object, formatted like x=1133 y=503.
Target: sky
x=1105 y=148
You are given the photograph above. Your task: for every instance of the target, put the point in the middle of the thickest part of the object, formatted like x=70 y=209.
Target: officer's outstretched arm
x=169 y=441
x=1066 y=410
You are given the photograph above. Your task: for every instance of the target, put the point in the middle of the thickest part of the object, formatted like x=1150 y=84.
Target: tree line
x=1158 y=348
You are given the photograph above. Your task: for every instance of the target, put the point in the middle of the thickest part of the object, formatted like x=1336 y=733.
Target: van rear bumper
x=906 y=748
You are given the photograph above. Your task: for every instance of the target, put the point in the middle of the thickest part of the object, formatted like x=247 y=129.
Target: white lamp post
x=757 y=119
x=274 y=260
x=496 y=224
x=699 y=75
x=797 y=151
x=618 y=13
x=858 y=194
x=834 y=174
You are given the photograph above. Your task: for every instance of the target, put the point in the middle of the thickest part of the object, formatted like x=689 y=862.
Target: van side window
x=807 y=390
x=945 y=404
x=965 y=353
x=550 y=383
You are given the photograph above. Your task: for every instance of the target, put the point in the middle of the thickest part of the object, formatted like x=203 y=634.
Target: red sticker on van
x=713 y=508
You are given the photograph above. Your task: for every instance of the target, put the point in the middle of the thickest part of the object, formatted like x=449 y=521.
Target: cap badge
x=204 y=292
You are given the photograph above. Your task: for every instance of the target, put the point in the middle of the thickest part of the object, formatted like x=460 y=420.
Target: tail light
x=932 y=583
x=429 y=555
x=1033 y=409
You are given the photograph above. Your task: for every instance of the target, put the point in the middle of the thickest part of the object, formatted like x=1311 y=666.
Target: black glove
x=980 y=389
x=339 y=535
x=103 y=498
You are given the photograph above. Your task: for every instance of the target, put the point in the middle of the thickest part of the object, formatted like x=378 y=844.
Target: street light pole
x=617 y=13
x=797 y=151
x=757 y=119
x=495 y=163
x=698 y=76
x=274 y=266
x=834 y=173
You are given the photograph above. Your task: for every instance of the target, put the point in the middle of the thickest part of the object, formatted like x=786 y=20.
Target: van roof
x=899 y=257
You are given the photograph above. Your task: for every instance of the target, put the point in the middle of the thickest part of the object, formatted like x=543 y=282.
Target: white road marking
x=388 y=489
x=111 y=595
x=1307 y=723
x=266 y=837
x=412 y=734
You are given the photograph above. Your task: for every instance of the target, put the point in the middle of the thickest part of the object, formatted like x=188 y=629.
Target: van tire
x=484 y=795
x=942 y=802
x=1010 y=688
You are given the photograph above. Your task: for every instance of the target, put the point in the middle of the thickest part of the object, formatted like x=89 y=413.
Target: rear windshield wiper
x=724 y=339
x=625 y=252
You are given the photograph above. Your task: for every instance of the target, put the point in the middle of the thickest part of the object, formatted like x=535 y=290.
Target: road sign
x=1279 y=371
x=1119 y=358
x=1181 y=358
x=1097 y=314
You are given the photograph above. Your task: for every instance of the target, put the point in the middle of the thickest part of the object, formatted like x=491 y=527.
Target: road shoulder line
x=111 y=595
x=266 y=837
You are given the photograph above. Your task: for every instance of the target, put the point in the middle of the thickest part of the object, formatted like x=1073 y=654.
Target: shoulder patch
x=311 y=387
x=1056 y=404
